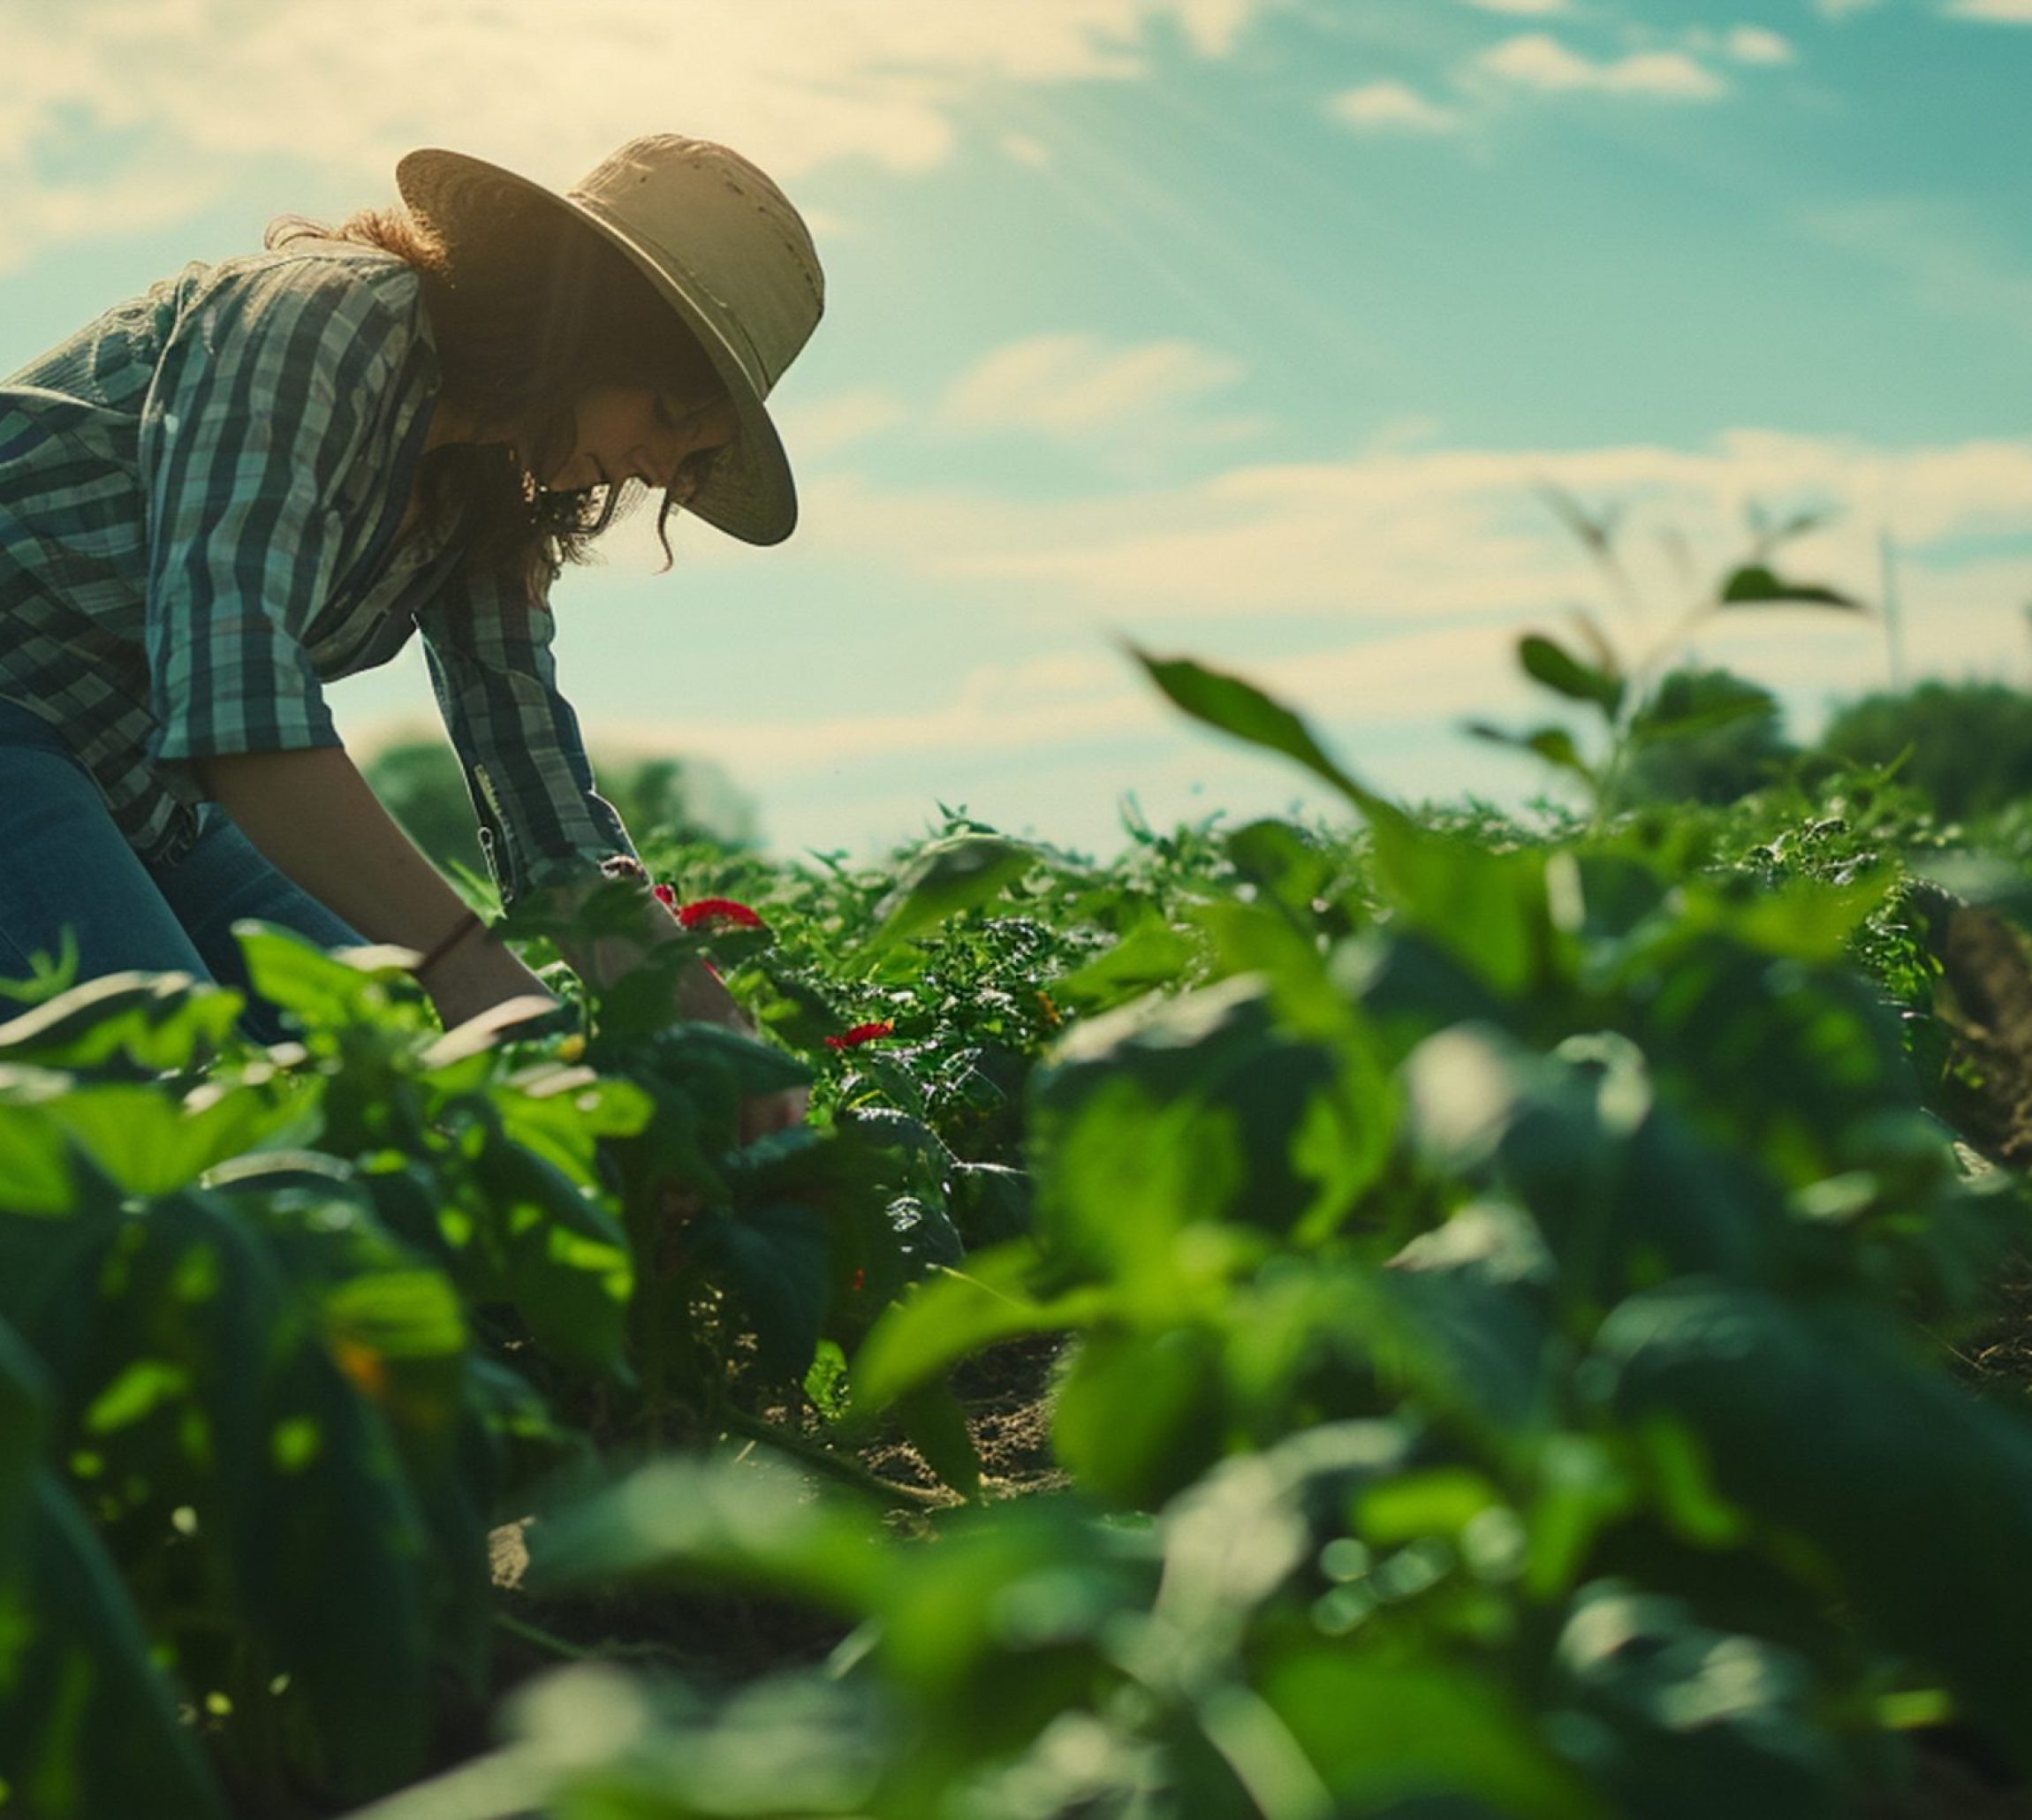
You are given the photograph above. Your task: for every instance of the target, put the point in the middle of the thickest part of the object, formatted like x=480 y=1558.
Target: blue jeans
x=65 y=862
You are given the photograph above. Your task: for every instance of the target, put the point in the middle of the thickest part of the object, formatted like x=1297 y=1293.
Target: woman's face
x=635 y=432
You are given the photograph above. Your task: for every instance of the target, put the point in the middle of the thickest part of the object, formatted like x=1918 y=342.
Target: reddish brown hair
x=523 y=324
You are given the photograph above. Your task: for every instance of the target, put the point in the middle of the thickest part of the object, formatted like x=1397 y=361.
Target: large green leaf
x=320 y=990
x=1466 y=1317
x=956 y=1314
x=1173 y=1111
x=36 y=1176
x=1691 y=1722
x=1759 y=587
x=569 y=1270
x=562 y=1113
x=1501 y=916
x=1243 y=711
x=150 y=1143
x=1389 y=1737
x=1282 y=861
x=1819 y=1425
x=277 y=1367
x=776 y=1258
x=757 y=1523
x=934 y=1424
x=1152 y=954
x=1620 y=1186
x=158 y=1021
x=87 y=1725
x=1137 y=1417
x=1545 y=661
x=337 y=1575
x=944 y=878
x=1789 y=1067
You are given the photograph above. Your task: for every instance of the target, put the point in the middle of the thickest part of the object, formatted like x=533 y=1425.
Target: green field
x=1427 y=1313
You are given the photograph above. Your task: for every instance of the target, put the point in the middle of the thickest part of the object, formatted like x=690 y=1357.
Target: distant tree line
x=421 y=784
x=1966 y=744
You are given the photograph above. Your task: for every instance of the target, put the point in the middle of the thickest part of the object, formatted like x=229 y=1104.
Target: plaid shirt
x=197 y=495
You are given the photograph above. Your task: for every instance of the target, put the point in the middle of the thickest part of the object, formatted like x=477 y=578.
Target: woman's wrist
x=476 y=973
x=468 y=923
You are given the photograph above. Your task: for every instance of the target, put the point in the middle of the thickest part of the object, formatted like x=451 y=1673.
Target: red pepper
x=708 y=911
x=858 y=1035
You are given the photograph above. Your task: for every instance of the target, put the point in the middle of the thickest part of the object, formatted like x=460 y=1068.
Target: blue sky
x=1244 y=328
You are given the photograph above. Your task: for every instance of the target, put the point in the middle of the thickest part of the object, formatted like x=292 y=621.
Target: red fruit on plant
x=708 y=913
x=858 y=1035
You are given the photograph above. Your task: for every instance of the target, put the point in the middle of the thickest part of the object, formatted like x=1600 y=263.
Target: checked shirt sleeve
x=267 y=393
x=541 y=819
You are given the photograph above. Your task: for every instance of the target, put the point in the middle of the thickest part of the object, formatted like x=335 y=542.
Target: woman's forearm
x=314 y=817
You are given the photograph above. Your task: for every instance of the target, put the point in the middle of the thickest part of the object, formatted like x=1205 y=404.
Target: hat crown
x=705 y=210
x=725 y=249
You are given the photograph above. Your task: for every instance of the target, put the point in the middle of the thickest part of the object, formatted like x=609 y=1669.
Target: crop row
x=1497 y=1287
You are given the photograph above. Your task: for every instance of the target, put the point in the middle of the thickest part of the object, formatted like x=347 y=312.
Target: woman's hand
x=700 y=998
x=703 y=999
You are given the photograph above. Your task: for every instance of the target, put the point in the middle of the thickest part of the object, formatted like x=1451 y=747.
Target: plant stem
x=541 y=1639
x=839 y=1466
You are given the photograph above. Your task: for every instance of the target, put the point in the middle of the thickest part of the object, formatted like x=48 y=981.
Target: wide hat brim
x=750 y=494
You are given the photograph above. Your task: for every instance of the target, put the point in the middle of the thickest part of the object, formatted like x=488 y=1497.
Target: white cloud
x=1540 y=61
x=1072 y=385
x=1526 y=9
x=1391 y=107
x=1395 y=535
x=1023 y=708
x=214 y=93
x=814 y=430
x=1995 y=13
x=1757 y=44
x=1400 y=582
x=1397 y=581
x=36 y=216
x=1843 y=9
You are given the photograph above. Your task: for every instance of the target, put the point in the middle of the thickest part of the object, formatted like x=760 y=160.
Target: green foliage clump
x=1501 y=1272
x=1731 y=740
x=1965 y=746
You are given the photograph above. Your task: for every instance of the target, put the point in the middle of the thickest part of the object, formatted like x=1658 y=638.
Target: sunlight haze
x=1250 y=330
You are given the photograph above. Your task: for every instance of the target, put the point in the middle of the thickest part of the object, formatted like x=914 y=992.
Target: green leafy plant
x=1639 y=721
x=1486 y=1287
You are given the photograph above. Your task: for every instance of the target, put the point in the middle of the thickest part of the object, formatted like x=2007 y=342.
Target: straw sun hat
x=725 y=249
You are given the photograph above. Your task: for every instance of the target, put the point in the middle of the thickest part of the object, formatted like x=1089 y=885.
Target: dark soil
x=1986 y=1002
x=1006 y=1393
x=726 y=1638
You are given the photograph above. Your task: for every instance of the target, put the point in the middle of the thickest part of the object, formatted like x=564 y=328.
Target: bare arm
x=314 y=818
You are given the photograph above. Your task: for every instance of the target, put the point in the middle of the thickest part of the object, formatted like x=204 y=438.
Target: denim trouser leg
x=222 y=878
x=65 y=862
